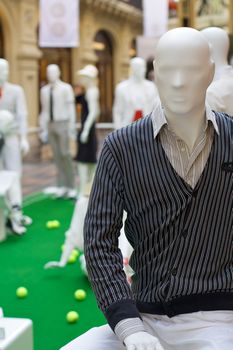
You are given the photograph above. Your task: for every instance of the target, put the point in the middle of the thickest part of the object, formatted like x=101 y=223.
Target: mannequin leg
x=11 y=160
x=77 y=222
x=65 y=156
x=83 y=172
x=53 y=140
x=91 y=172
x=98 y=338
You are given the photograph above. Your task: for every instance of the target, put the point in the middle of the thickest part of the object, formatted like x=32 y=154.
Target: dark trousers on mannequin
x=59 y=141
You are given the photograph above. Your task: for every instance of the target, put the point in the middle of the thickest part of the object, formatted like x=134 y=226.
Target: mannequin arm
x=118 y=108
x=21 y=116
x=68 y=247
x=71 y=111
x=92 y=97
x=142 y=340
x=21 y=112
x=43 y=124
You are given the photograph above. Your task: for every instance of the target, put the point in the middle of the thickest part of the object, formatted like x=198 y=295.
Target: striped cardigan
x=182 y=237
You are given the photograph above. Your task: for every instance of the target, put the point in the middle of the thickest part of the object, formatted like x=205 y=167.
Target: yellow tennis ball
x=21 y=292
x=72 y=259
x=75 y=252
x=80 y=294
x=72 y=316
x=49 y=224
x=56 y=224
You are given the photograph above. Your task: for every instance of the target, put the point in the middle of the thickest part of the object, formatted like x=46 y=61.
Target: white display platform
x=18 y=334
x=6 y=180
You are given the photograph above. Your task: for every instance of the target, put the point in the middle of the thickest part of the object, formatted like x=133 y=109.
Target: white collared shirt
x=63 y=102
x=188 y=165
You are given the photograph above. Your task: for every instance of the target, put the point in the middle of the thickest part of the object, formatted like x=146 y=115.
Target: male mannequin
x=166 y=171
x=134 y=97
x=87 y=142
x=13 y=109
x=220 y=92
x=57 y=121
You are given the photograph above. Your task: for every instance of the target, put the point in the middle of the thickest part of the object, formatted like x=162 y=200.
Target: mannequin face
x=138 y=68
x=4 y=71
x=183 y=70
x=53 y=73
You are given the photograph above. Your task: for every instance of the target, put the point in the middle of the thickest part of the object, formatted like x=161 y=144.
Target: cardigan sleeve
x=101 y=231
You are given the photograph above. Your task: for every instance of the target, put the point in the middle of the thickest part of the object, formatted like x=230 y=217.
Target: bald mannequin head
x=219 y=42
x=183 y=71
x=53 y=73
x=138 y=68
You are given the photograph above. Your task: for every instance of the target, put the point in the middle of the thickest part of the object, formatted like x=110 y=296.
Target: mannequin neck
x=54 y=82
x=187 y=127
x=136 y=79
x=90 y=85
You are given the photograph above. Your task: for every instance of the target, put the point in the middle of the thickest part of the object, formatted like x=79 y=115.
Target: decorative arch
x=103 y=45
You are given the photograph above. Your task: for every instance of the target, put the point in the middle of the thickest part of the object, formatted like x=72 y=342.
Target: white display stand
x=18 y=334
x=6 y=180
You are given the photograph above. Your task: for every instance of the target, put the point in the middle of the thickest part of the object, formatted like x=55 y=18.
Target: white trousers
x=10 y=159
x=211 y=330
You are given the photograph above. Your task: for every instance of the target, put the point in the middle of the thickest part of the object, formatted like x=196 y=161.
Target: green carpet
x=50 y=291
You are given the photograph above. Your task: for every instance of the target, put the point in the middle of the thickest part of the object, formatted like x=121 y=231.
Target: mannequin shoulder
x=133 y=135
x=122 y=86
x=45 y=88
x=225 y=119
x=14 y=88
x=150 y=85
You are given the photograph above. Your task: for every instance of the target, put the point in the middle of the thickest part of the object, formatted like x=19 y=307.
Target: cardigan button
x=174 y=272
x=184 y=233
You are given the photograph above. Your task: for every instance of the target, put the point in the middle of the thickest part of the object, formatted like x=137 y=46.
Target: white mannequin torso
x=63 y=98
x=13 y=100
x=134 y=95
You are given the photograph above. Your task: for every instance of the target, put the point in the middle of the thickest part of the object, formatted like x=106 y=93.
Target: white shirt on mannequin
x=134 y=94
x=63 y=107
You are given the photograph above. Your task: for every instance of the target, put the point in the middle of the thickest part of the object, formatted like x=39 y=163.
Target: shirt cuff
x=121 y=310
x=127 y=327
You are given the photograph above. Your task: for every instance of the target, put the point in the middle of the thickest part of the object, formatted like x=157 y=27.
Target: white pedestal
x=18 y=334
x=6 y=180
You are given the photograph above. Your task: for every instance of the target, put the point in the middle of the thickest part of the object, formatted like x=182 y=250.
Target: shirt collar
x=159 y=120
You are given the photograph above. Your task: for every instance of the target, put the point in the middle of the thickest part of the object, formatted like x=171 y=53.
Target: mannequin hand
x=72 y=133
x=52 y=264
x=44 y=136
x=24 y=146
x=84 y=136
x=142 y=340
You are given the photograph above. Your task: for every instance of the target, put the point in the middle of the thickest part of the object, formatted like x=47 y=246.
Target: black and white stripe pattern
x=182 y=237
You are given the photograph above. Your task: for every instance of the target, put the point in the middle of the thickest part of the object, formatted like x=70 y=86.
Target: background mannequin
x=13 y=108
x=134 y=97
x=57 y=121
x=220 y=92
x=87 y=142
